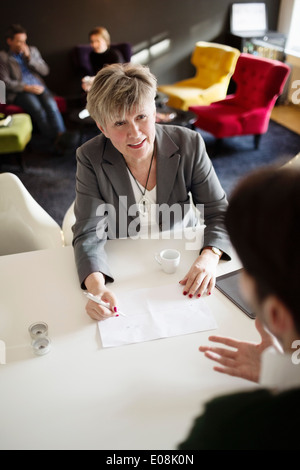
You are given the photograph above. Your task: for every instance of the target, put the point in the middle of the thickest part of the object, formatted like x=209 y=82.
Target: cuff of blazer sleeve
x=223 y=245
x=93 y=267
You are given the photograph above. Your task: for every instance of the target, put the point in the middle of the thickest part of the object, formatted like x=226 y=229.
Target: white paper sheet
x=154 y=313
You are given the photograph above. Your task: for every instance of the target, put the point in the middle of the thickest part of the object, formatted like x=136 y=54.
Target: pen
x=96 y=299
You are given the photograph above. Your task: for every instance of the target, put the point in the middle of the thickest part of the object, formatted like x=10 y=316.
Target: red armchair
x=259 y=83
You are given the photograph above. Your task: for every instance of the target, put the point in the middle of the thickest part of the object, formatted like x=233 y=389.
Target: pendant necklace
x=144 y=203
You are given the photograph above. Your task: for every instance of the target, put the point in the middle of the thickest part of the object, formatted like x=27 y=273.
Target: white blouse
x=147 y=216
x=147 y=213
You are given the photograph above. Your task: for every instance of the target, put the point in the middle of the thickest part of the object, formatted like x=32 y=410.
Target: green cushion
x=15 y=137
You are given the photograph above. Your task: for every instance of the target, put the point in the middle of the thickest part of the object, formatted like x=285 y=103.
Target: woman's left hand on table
x=201 y=277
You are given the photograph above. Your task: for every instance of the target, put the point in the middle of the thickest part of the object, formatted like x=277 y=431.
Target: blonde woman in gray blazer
x=133 y=166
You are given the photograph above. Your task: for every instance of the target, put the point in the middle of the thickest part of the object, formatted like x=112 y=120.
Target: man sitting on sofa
x=22 y=69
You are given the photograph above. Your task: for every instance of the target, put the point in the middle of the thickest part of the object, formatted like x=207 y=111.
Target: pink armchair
x=259 y=83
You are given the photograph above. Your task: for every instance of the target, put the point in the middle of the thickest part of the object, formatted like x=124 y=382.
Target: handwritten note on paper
x=153 y=313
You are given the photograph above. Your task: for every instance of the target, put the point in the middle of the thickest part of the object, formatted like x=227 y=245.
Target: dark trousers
x=44 y=112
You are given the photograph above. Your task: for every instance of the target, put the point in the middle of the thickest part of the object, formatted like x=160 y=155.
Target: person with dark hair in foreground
x=263 y=223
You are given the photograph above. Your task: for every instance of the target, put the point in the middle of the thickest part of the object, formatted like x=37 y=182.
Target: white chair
x=24 y=224
x=294 y=162
x=69 y=220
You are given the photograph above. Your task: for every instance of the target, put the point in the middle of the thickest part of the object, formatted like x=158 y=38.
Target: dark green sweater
x=257 y=420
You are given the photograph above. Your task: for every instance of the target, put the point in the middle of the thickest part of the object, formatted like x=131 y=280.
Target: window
x=293 y=42
x=248 y=17
x=289 y=24
x=147 y=50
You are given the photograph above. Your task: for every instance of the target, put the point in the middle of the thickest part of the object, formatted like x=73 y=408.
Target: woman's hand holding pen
x=95 y=284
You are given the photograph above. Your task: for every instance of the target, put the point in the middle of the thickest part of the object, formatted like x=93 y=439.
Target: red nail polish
x=184 y=293
x=209 y=293
x=199 y=295
x=190 y=296
x=115 y=309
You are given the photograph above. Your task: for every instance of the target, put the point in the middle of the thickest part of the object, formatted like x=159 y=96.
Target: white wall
x=293 y=59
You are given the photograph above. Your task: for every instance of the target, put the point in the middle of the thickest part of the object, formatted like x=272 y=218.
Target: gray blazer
x=11 y=74
x=103 y=183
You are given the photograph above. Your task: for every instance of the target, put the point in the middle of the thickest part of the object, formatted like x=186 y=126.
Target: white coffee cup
x=168 y=259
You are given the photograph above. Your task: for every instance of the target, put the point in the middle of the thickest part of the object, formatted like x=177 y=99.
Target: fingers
x=25 y=50
x=211 y=285
x=232 y=343
x=39 y=90
x=98 y=312
x=211 y=352
x=101 y=312
x=226 y=358
x=86 y=87
x=35 y=89
x=110 y=299
x=228 y=371
x=201 y=277
x=198 y=286
x=227 y=362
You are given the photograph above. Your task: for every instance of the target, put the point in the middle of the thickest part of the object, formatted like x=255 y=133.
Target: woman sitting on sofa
x=101 y=55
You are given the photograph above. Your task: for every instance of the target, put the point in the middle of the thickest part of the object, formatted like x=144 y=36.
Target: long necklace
x=144 y=203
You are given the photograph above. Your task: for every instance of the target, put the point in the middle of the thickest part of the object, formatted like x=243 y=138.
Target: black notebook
x=228 y=284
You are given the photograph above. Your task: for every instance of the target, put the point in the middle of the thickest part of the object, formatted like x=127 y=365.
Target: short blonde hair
x=101 y=31
x=118 y=89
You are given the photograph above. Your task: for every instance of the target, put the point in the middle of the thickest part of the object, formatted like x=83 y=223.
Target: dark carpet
x=50 y=179
x=238 y=156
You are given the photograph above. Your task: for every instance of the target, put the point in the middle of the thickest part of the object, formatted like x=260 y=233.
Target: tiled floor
x=288 y=116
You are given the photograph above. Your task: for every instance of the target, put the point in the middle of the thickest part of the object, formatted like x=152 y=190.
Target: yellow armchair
x=215 y=64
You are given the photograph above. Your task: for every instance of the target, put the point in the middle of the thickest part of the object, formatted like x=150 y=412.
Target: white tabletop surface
x=83 y=396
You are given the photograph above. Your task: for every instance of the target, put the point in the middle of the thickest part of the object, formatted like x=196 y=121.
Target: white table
x=81 y=396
